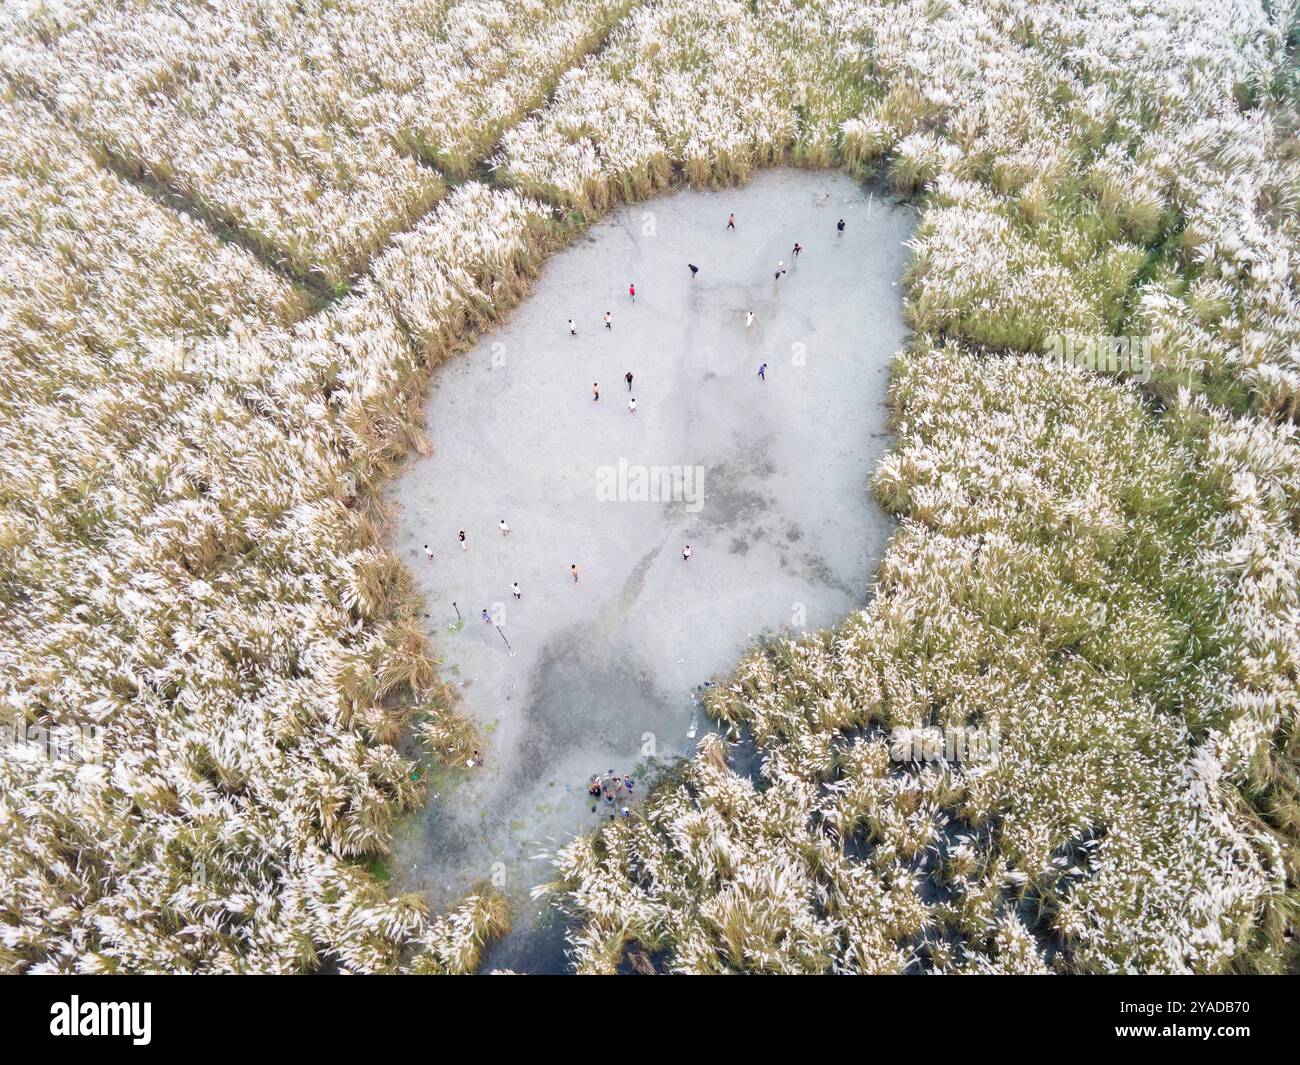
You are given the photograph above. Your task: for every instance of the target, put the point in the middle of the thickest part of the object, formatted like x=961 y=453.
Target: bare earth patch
x=770 y=485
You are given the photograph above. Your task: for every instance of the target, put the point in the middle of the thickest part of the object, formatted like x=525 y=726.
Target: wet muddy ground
x=766 y=480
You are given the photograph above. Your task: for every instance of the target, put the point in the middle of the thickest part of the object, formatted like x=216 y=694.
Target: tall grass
x=191 y=553
x=1068 y=570
x=192 y=563
x=316 y=130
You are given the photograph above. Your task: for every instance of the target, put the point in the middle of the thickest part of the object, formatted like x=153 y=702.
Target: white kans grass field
x=315 y=129
x=191 y=544
x=92 y=264
x=192 y=563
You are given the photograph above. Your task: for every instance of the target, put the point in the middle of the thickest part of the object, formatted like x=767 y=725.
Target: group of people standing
x=613 y=789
